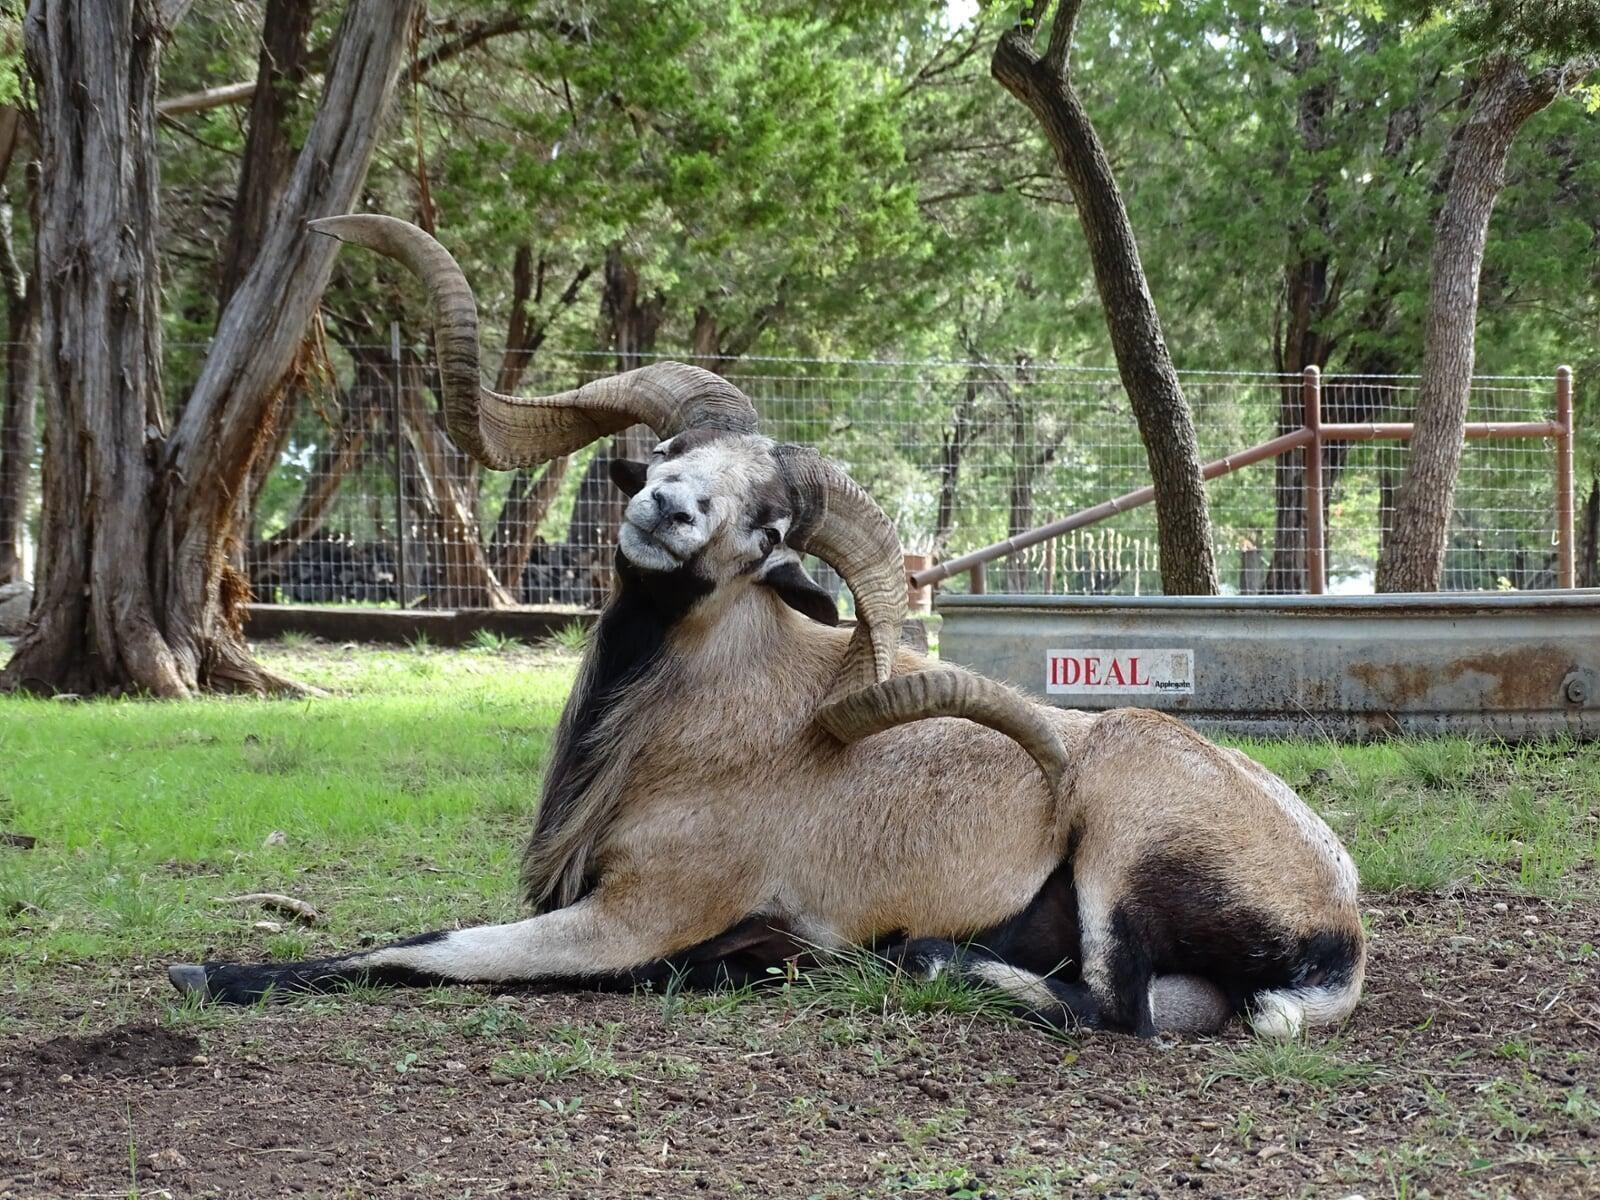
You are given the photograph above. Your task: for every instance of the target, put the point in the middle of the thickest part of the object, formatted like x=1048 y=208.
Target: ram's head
x=717 y=498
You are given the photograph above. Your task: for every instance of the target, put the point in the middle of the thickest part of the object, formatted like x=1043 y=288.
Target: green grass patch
x=1318 y=1064
x=396 y=803
x=569 y=1050
x=1430 y=814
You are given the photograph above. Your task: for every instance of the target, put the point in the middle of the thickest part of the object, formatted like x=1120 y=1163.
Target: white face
x=717 y=501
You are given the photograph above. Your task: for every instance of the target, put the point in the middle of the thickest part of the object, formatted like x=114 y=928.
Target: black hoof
x=189 y=979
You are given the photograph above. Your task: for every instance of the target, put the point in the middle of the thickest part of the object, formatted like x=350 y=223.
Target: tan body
x=941 y=828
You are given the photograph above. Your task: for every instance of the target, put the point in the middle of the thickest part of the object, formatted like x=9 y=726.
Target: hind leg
x=1117 y=969
x=1048 y=1001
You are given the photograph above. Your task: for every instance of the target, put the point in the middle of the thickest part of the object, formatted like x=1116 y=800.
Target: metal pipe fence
x=367 y=503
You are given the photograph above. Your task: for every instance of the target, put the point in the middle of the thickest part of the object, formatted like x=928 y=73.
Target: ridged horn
x=944 y=693
x=837 y=521
x=504 y=432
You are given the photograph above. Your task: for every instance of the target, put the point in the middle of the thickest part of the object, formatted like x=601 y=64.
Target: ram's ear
x=783 y=573
x=628 y=475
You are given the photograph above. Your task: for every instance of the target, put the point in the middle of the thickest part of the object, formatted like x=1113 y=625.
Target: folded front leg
x=598 y=938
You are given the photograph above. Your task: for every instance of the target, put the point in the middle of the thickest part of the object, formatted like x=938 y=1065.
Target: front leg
x=606 y=934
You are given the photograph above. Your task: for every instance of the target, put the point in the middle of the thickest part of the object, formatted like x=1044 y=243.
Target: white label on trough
x=1101 y=672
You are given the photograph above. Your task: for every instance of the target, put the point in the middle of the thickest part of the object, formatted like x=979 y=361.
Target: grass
x=1451 y=812
x=1317 y=1064
x=570 y=1051
x=401 y=800
x=397 y=804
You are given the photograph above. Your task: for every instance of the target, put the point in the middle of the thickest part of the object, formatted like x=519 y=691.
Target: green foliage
x=1536 y=29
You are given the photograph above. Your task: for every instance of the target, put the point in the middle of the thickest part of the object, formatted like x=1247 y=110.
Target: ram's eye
x=770 y=537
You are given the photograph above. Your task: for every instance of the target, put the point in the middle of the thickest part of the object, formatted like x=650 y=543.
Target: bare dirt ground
x=1469 y=1070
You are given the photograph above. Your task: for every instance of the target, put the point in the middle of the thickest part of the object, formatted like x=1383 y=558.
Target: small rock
x=1500 y=906
x=268 y=926
x=168 y=1160
x=277 y=837
x=63 y=1078
x=1531 y=918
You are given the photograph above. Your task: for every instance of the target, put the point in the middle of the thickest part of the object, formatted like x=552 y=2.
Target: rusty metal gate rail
x=1514 y=665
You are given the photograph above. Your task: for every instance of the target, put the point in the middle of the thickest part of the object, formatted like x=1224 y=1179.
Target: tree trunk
x=1589 y=539
x=633 y=321
x=357 y=410
x=17 y=414
x=461 y=567
x=952 y=452
x=1411 y=559
x=1309 y=300
x=135 y=594
x=528 y=500
x=268 y=153
x=1166 y=426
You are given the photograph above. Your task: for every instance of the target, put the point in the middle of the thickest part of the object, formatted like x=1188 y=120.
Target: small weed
x=572 y=637
x=1289 y=1060
x=420 y=644
x=293 y=639
x=562 y=1108
x=490 y=642
x=406 y=1062
x=494 y=1022
x=570 y=1053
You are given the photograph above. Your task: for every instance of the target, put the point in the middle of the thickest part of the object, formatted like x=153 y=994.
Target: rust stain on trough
x=1524 y=678
x=1519 y=679
x=1395 y=683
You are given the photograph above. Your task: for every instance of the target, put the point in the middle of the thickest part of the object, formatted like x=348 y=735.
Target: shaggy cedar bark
x=134 y=595
x=1166 y=426
x=1411 y=558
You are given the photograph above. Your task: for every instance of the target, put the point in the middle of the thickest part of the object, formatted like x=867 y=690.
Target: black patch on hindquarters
x=1187 y=919
x=629 y=639
x=1326 y=959
x=1045 y=936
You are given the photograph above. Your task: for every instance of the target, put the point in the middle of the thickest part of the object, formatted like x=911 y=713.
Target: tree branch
x=1060 y=47
x=244 y=90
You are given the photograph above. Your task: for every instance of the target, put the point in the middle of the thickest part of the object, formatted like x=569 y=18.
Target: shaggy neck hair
x=664 y=644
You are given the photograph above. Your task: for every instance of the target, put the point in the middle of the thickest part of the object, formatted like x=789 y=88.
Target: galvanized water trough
x=1513 y=665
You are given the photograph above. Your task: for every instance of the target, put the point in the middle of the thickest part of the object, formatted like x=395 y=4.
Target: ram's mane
x=577 y=802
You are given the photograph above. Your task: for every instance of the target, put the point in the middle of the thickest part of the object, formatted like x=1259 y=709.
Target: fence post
x=1566 y=573
x=975 y=575
x=400 y=589
x=1311 y=418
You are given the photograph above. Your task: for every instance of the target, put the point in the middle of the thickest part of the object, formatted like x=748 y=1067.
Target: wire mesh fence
x=367 y=503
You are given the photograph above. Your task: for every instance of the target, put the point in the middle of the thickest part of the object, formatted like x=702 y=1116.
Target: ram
x=734 y=783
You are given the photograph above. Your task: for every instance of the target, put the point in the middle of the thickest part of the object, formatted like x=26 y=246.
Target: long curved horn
x=946 y=693
x=837 y=521
x=512 y=431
